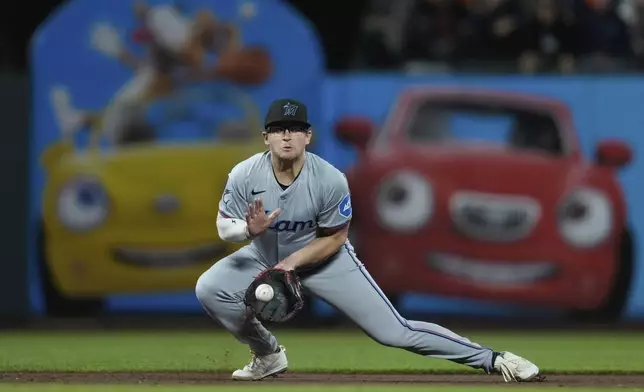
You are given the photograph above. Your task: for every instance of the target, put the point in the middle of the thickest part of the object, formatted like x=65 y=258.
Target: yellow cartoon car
x=139 y=218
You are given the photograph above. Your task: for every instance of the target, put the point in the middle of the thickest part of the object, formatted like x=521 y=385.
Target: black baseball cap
x=286 y=111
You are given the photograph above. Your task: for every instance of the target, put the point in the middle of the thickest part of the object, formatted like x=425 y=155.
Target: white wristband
x=232 y=230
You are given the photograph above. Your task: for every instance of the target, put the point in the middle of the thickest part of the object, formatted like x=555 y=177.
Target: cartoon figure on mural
x=178 y=105
x=177 y=45
x=488 y=196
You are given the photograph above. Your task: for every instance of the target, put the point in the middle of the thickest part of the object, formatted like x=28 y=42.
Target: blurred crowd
x=528 y=36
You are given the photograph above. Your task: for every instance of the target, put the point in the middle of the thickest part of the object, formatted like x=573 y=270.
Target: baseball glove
x=287 y=299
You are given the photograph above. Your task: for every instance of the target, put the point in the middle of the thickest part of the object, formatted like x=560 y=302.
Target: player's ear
x=309 y=134
x=265 y=135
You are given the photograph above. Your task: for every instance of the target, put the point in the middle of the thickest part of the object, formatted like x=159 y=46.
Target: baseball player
x=296 y=209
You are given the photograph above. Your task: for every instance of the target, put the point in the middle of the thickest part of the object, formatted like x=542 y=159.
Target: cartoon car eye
x=82 y=204
x=585 y=218
x=405 y=201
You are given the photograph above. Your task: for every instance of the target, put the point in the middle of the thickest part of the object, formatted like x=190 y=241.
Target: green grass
x=307 y=352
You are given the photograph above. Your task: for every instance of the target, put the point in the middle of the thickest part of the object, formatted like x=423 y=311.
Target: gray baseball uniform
x=318 y=198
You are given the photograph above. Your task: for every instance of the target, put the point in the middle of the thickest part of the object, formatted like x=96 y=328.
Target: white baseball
x=264 y=292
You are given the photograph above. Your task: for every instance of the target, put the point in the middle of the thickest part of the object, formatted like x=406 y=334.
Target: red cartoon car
x=486 y=194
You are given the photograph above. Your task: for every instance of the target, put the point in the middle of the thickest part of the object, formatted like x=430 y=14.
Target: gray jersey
x=318 y=198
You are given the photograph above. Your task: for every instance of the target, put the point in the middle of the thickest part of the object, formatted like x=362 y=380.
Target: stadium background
x=111 y=179
x=358 y=64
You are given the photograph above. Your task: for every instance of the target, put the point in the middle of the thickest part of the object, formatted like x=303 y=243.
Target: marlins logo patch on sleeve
x=344 y=208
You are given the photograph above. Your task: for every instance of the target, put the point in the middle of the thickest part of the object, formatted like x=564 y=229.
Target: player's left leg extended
x=346 y=285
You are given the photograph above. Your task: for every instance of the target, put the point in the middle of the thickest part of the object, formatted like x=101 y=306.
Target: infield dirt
x=209 y=378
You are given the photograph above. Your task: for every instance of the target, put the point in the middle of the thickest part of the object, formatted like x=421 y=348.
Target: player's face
x=287 y=141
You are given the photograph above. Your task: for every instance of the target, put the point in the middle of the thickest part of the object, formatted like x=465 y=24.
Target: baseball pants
x=346 y=285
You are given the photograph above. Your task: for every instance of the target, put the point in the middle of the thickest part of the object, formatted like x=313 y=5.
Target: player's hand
x=285 y=265
x=256 y=219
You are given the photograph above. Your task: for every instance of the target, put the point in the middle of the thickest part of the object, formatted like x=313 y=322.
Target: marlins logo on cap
x=290 y=109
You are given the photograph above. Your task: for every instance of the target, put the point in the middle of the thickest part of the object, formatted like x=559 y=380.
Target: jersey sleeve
x=233 y=201
x=336 y=207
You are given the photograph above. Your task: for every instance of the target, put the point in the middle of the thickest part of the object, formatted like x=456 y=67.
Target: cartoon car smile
x=485 y=194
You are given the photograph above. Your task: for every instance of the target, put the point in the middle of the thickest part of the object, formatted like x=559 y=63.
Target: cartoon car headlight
x=83 y=204
x=585 y=218
x=405 y=201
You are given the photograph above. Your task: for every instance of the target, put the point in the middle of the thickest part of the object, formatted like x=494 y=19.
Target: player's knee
x=214 y=297
x=208 y=292
x=204 y=290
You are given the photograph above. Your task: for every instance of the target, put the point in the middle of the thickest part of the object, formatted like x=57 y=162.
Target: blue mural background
x=62 y=54
x=602 y=107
